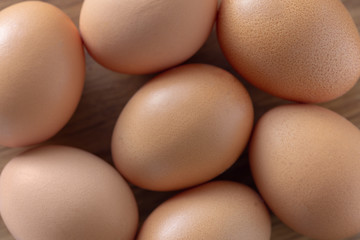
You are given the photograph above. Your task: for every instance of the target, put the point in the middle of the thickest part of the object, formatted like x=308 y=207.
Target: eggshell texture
x=301 y=50
x=145 y=36
x=41 y=72
x=306 y=162
x=59 y=193
x=216 y=210
x=183 y=128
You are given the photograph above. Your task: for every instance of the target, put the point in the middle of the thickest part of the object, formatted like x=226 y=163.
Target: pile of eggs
x=187 y=125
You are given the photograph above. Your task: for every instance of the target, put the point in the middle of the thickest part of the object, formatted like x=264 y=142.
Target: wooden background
x=106 y=93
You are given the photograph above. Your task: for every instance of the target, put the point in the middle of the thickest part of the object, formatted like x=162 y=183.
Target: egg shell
x=216 y=210
x=305 y=160
x=145 y=36
x=42 y=72
x=183 y=128
x=300 y=50
x=58 y=193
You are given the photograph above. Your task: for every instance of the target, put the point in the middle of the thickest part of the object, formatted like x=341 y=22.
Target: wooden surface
x=106 y=93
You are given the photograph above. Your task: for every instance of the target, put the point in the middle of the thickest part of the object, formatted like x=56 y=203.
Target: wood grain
x=106 y=93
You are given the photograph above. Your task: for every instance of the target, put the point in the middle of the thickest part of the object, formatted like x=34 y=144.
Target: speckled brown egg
x=216 y=210
x=63 y=193
x=300 y=50
x=42 y=69
x=184 y=127
x=145 y=36
x=305 y=161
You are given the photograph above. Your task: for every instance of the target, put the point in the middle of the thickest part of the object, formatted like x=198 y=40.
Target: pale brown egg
x=213 y=211
x=300 y=50
x=183 y=128
x=145 y=36
x=63 y=193
x=42 y=71
x=305 y=161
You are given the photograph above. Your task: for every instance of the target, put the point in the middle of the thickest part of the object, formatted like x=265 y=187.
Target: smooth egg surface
x=42 y=72
x=213 y=211
x=305 y=161
x=145 y=36
x=300 y=50
x=63 y=193
x=183 y=128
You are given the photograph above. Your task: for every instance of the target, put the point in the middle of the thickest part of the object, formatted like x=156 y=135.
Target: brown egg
x=139 y=37
x=301 y=50
x=305 y=161
x=41 y=72
x=216 y=210
x=183 y=128
x=59 y=193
